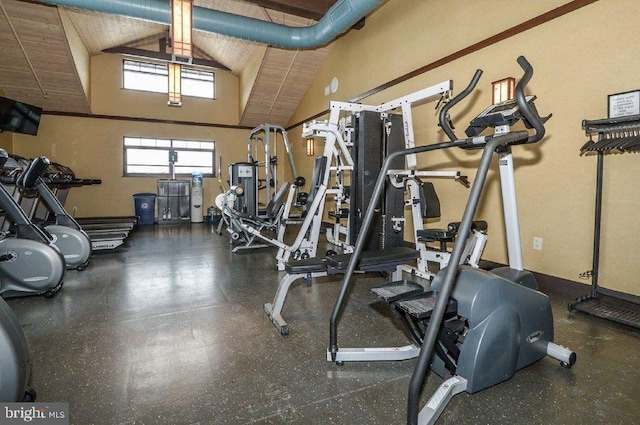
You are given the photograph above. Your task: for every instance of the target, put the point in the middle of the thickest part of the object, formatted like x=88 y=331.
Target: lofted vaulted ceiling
x=37 y=63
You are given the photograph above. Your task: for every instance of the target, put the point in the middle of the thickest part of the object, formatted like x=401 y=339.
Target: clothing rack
x=618 y=135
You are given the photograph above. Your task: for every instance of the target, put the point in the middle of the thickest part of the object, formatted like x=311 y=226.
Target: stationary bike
x=15 y=367
x=30 y=264
x=68 y=235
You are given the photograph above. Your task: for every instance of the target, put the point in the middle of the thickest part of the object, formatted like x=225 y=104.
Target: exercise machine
x=263 y=141
x=479 y=326
x=372 y=132
x=239 y=223
x=15 y=362
x=68 y=236
x=357 y=144
x=31 y=263
x=105 y=233
x=245 y=212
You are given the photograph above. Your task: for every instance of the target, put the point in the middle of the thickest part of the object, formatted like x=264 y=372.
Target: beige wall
x=109 y=98
x=579 y=59
x=6 y=141
x=92 y=147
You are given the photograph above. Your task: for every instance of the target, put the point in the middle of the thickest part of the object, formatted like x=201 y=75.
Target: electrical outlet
x=537 y=243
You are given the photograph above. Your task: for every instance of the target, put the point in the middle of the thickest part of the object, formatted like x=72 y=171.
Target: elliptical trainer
x=478 y=326
x=502 y=323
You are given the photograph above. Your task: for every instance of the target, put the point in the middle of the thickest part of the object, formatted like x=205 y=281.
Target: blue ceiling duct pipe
x=339 y=18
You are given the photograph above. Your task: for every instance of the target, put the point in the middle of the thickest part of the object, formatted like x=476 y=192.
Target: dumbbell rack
x=618 y=135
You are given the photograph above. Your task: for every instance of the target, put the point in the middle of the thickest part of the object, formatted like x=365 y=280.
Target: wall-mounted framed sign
x=624 y=104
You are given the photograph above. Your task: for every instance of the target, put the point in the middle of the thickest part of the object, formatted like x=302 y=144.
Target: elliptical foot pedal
x=421 y=306
x=394 y=291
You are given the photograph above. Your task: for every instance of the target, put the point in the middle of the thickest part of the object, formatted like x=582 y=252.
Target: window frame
x=167 y=149
x=186 y=73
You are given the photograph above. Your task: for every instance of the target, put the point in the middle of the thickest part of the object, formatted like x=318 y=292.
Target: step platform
x=394 y=291
x=421 y=306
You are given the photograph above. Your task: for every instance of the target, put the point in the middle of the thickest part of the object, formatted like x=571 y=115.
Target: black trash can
x=145 y=204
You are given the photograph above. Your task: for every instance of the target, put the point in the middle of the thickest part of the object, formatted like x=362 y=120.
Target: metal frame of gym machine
x=339 y=160
x=267 y=134
x=402 y=177
x=411 y=350
x=306 y=241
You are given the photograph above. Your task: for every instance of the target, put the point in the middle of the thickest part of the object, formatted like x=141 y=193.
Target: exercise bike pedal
x=421 y=306
x=399 y=290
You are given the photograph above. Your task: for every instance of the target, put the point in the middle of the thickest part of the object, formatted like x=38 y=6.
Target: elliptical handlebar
x=442 y=118
x=490 y=144
x=525 y=111
x=528 y=112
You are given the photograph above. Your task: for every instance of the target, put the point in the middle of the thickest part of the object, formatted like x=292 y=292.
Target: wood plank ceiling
x=282 y=78
x=48 y=78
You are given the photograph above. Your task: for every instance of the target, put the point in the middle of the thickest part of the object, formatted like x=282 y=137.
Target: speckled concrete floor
x=169 y=329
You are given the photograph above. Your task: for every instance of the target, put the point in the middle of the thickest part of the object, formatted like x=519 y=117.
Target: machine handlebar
x=522 y=109
x=442 y=119
x=529 y=112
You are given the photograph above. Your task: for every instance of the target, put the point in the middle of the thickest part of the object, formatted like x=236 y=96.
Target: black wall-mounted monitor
x=19 y=117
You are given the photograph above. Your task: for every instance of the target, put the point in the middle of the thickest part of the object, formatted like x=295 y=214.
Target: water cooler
x=197 y=198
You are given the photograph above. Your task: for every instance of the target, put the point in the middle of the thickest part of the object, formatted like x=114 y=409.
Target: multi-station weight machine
x=259 y=176
x=357 y=139
x=372 y=132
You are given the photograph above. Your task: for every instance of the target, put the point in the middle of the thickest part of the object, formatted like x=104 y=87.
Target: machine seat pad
x=448 y=234
x=375 y=260
x=308 y=265
x=434 y=235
